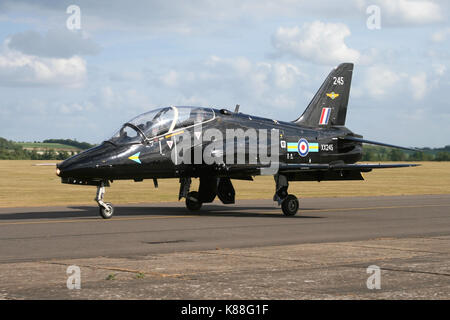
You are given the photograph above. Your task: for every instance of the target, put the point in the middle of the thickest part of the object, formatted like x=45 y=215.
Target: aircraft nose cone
x=83 y=165
x=72 y=167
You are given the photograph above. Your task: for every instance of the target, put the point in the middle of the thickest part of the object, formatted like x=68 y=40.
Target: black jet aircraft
x=315 y=147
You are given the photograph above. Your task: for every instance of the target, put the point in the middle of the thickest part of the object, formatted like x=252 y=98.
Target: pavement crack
x=158 y=274
x=253 y=256
x=393 y=248
x=417 y=271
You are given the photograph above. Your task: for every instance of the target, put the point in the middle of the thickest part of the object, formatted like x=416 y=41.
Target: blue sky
x=268 y=56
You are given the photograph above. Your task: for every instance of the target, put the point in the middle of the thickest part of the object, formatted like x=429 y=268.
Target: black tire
x=106 y=213
x=192 y=201
x=290 y=205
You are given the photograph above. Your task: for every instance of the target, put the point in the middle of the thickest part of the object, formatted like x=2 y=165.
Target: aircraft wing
x=294 y=167
x=356 y=139
x=307 y=168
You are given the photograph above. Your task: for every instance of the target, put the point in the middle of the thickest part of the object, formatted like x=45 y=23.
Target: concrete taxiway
x=244 y=251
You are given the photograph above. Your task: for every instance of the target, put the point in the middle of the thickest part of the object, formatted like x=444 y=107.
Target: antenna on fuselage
x=236 y=109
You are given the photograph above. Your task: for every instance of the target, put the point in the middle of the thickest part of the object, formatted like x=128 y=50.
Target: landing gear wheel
x=192 y=201
x=290 y=205
x=107 y=212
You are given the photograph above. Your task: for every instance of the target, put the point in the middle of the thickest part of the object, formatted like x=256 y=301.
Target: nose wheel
x=106 y=209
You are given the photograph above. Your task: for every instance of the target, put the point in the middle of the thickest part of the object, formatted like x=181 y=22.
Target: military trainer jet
x=218 y=145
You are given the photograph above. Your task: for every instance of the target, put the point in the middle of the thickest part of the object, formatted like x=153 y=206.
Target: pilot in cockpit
x=197 y=115
x=124 y=135
x=156 y=126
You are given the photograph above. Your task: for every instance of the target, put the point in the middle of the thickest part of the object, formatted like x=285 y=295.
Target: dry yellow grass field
x=24 y=184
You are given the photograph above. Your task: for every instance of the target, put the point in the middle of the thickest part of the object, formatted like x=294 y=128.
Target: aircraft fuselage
x=153 y=158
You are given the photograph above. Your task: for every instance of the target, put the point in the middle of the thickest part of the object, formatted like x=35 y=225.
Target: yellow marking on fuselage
x=174 y=134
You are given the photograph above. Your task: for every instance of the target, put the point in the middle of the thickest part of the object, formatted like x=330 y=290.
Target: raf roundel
x=303 y=147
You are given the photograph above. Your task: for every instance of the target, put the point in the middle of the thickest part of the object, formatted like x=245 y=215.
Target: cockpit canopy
x=159 y=122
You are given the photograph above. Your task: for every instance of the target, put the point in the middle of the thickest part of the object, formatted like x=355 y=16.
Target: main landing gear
x=289 y=202
x=209 y=188
x=106 y=209
x=193 y=202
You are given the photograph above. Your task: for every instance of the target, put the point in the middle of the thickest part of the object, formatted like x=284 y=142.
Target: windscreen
x=156 y=122
x=126 y=135
x=160 y=121
x=149 y=124
x=189 y=116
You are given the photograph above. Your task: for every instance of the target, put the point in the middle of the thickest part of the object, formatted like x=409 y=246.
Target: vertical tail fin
x=329 y=105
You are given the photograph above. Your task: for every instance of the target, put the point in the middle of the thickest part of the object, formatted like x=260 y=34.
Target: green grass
x=111 y=276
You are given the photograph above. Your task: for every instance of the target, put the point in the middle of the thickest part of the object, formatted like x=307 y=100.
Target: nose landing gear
x=106 y=209
x=193 y=202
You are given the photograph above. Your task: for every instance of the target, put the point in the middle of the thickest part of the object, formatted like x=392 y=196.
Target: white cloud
x=386 y=83
x=170 y=78
x=223 y=82
x=194 y=17
x=124 y=101
x=380 y=81
x=125 y=76
x=319 y=42
x=419 y=85
x=285 y=75
x=18 y=69
x=441 y=35
x=417 y=12
x=439 y=69
x=177 y=16
x=58 y=43
x=406 y=12
x=240 y=71
x=75 y=108
x=107 y=97
x=29 y=59
x=193 y=100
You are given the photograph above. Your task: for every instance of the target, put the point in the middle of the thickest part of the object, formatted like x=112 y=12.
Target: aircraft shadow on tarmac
x=133 y=211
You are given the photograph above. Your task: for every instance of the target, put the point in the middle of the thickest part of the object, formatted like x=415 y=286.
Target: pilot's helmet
x=155 y=129
x=197 y=115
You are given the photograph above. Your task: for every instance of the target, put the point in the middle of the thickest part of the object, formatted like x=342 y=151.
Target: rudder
x=329 y=105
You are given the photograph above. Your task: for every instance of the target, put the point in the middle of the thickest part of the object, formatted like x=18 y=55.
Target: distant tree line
x=69 y=142
x=9 y=150
x=372 y=153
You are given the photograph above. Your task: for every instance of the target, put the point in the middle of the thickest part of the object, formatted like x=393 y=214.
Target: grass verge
x=24 y=184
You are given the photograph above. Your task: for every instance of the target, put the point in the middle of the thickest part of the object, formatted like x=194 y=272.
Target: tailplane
x=329 y=105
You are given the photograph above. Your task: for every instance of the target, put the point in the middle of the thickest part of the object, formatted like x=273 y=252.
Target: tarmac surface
x=244 y=251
